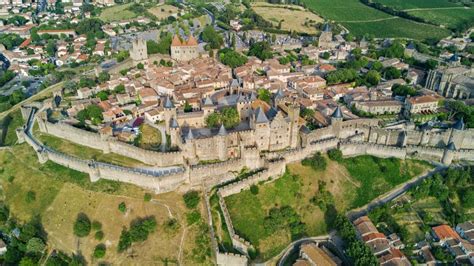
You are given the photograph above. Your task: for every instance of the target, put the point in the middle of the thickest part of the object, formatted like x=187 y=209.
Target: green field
x=442 y=12
x=117 y=13
x=361 y=19
x=412 y=4
x=352 y=183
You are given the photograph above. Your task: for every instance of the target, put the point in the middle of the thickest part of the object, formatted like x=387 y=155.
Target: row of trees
x=228 y=116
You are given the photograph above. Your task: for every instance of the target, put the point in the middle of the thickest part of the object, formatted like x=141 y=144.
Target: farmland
x=361 y=19
x=442 y=12
x=294 y=18
x=117 y=13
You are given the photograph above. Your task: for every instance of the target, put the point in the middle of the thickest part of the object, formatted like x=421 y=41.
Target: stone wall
x=107 y=145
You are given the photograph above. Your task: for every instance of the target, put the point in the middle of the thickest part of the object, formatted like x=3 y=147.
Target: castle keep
x=184 y=50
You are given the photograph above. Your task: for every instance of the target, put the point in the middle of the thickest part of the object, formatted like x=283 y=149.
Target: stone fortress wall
x=353 y=137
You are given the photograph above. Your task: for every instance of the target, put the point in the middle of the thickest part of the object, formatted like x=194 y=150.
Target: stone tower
x=325 y=39
x=221 y=143
x=336 y=119
x=261 y=125
x=139 y=50
x=448 y=154
x=294 y=115
x=190 y=148
x=243 y=107
x=169 y=113
x=174 y=132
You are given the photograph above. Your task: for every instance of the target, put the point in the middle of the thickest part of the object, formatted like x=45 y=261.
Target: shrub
x=191 y=199
x=254 y=189
x=171 y=225
x=147 y=197
x=317 y=162
x=99 y=251
x=82 y=226
x=335 y=155
x=96 y=225
x=139 y=231
x=193 y=217
x=99 y=235
x=30 y=196
x=122 y=207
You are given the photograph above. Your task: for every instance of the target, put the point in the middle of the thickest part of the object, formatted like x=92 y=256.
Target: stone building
x=139 y=50
x=264 y=127
x=184 y=50
x=453 y=82
x=325 y=39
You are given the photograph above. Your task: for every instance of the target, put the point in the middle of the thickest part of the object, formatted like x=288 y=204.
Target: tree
x=119 y=89
x=317 y=162
x=335 y=155
x=232 y=58
x=372 y=77
x=30 y=196
x=122 y=207
x=147 y=197
x=82 y=226
x=212 y=37
x=230 y=117
x=213 y=120
x=262 y=50
x=103 y=77
x=35 y=246
x=191 y=199
x=403 y=90
x=254 y=189
x=392 y=73
x=140 y=66
x=99 y=251
x=264 y=95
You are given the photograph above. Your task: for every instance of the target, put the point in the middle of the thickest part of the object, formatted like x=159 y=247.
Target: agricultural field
x=163 y=11
x=443 y=12
x=117 y=13
x=361 y=19
x=294 y=18
x=57 y=195
x=349 y=186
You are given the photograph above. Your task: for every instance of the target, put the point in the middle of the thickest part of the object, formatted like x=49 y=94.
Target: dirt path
x=436 y=8
x=365 y=21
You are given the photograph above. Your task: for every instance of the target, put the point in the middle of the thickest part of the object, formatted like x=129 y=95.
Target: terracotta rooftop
x=444 y=232
x=178 y=42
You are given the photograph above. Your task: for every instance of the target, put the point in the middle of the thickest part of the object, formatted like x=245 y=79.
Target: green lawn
x=361 y=19
x=117 y=13
x=84 y=152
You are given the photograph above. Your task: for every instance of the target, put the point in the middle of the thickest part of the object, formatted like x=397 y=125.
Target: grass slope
x=84 y=152
x=61 y=193
x=361 y=19
x=353 y=183
x=8 y=126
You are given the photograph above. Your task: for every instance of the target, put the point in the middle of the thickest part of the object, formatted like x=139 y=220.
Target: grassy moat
x=348 y=184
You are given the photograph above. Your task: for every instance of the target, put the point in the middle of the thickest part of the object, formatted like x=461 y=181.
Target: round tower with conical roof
x=448 y=154
x=169 y=113
x=221 y=142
